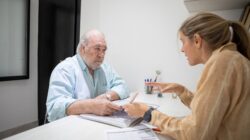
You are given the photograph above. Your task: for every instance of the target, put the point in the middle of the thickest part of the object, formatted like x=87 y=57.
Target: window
x=14 y=39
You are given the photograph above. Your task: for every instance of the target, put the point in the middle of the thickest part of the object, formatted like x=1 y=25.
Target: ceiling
x=213 y=5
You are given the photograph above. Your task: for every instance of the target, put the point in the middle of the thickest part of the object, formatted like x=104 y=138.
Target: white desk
x=74 y=127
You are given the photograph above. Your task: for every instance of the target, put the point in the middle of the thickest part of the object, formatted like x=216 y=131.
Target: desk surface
x=74 y=127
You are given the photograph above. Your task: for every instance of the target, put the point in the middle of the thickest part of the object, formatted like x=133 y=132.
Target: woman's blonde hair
x=216 y=31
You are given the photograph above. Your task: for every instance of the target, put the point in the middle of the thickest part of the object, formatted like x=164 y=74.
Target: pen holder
x=148 y=89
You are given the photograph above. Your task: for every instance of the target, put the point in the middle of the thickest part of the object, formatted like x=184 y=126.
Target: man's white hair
x=85 y=38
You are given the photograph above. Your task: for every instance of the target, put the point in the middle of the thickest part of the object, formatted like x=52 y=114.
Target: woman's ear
x=197 y=41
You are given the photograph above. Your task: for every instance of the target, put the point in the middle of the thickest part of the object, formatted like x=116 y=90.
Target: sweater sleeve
x=186 y=97
x=209 y=105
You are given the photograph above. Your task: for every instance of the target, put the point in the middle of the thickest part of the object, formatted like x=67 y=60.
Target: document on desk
x=134 y=133
x=118 y=119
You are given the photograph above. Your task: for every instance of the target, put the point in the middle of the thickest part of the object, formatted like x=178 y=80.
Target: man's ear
x=197 y=41
x=82 y=48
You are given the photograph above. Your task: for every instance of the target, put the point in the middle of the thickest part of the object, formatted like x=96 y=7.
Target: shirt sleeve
x=208 y=106
x=60 y=93
x=115 y=82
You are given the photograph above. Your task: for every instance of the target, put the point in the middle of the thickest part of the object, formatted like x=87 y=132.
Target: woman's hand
x=167 y=87
x=135 y=109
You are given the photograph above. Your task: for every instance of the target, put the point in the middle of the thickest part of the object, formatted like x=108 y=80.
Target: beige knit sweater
x=220 y=105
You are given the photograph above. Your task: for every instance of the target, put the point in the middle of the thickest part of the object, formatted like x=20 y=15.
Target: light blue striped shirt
x=71 y=81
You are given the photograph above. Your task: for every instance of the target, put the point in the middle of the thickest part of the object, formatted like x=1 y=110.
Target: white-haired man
x=83 y=83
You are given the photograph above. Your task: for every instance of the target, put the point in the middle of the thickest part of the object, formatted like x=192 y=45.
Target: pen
x=156 y=129
x=133 y=97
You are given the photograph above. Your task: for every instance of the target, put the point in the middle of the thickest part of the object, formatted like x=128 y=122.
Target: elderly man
x=83 y=83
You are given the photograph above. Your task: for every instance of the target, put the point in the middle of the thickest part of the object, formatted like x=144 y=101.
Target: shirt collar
x=81 y=62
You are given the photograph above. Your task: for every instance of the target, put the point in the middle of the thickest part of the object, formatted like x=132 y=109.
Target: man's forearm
x=80 y=107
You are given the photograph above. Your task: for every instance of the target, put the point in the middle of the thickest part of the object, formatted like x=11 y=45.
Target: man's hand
x=104 y=107
x=101 y=105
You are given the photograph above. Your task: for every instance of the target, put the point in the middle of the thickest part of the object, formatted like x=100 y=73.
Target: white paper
x=118 y=119
x=133 y=133
x=126 y=101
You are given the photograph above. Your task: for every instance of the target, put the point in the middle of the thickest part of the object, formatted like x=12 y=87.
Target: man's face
x=94 y=51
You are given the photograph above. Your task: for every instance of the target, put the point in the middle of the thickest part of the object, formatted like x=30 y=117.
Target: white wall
x=18 y=99
x=142 y=37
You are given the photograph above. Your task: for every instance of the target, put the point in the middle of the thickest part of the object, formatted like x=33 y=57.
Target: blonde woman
x=221 y=103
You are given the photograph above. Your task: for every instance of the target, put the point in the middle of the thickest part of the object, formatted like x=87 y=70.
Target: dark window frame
x=27 y=44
